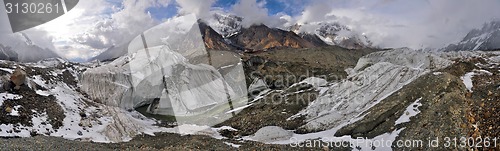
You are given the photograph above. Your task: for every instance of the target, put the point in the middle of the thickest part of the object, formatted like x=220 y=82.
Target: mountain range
x=226 y=32
x=297 y=89
x=485 y=38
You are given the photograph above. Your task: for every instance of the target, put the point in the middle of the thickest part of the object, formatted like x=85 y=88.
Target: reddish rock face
x=261 y=37
x=257 y=38
x=212 y=39
x=18 y=77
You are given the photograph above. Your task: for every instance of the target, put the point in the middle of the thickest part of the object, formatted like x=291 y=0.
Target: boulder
x=18 y=78
x=272 y=133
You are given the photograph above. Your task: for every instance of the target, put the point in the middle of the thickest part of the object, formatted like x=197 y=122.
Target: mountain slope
x=314 y=39
x=26 y=50
x=6 y=53
x=254 y=38
x=486 y=38
x=223 y=31
x=111 y=53
x=261 y=37
x=225 y=24
x=333 y=33
x=212 y=39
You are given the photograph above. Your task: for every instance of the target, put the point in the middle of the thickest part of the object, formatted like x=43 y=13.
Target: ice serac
x=375 y=77
x=168 y=69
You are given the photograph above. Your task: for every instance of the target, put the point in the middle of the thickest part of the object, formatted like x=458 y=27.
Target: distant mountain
x=261 y=37
x=334 y=33
x=211 y=38
x=314 y=39
x=254 y=38
x=486 y=38
x=6 y=53
x=111 y=53
x=224 y=31
x=331 y=33
x=21 y=48
x=225 y=24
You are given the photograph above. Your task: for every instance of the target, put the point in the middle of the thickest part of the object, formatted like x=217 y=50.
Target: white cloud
x=200 y=8
x=95 y=25
x=254 y=12
x=399 y=23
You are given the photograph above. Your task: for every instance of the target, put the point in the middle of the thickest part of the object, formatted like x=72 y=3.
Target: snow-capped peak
x=485 y=38
x=333 y=33
x=225 y=24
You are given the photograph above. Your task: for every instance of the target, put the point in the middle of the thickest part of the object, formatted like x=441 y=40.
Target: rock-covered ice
x=375 y=77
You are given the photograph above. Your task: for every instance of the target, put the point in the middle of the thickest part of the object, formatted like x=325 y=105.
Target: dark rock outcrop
x=261 y=38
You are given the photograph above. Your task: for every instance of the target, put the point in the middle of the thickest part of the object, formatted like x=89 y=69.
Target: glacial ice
x=169 y=69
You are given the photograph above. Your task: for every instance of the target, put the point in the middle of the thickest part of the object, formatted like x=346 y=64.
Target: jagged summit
x=225 y=24
x=333 y=33
x=224 y=31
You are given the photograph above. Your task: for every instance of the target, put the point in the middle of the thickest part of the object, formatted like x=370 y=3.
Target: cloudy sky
x=95 y=25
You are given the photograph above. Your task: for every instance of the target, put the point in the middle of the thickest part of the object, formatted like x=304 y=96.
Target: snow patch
x=437 y=73
x=467 y=79
x=7 y=70
x=483 y=72
x=328 y=136
x=8 y=96
x=42 y=93
x=225 y=128
x=14 y=111
x=239 y=108
x=411 y=111
x=315 y=82
x=40 y=81
x=192 y=129
x=7 y=130
x=232 y=145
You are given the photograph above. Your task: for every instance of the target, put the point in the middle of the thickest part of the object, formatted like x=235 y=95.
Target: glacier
x=172 y=73
x=375 y=77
